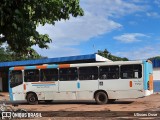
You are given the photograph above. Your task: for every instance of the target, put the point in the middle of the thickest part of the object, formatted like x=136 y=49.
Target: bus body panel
x=44 y=90
x=67 y=86
x=124 y=94
x=148 y=78
x=85 y=89
x=17 y=93
x=67 y=90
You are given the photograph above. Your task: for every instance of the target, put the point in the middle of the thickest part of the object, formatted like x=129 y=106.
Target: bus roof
x=45 y=66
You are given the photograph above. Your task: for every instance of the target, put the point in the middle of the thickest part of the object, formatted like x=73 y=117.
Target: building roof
x=70 y=59
x=156 y=63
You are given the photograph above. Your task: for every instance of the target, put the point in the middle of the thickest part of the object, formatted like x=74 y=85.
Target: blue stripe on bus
x=78 y=85
x=10 y=89
x=147 y=70
x=10 y=94
x=52 y=66
x=44 y=85
x=146 y=77
x=30 y=67
x=12 y=68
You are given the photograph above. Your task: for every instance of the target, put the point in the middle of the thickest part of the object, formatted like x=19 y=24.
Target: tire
x=32 y=99
x=101 y=98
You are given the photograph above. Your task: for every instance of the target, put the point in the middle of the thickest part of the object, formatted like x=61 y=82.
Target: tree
x=109 y=56
x=19 y=19
x=154 y=58
x=8 y=55
x=4 y=56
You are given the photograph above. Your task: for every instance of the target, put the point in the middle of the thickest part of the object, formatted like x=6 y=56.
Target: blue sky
x=127 y=28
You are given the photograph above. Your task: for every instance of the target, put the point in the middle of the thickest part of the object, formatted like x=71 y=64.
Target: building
x=156 y=69
x=4 y=66
x=156 y=74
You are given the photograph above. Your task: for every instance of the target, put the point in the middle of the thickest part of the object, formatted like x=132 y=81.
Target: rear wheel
x=101 y=98
x=32 y=99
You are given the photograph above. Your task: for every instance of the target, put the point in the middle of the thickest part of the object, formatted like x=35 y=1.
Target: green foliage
x=154 y=58
x=109 y=56
x=19 y=19
x=4 y=55
x=8 y=55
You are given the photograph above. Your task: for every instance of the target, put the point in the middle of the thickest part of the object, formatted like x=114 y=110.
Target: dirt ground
x=78 y=109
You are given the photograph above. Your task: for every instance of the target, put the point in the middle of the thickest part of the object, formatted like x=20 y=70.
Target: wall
x=156 y=73
x=1 y=84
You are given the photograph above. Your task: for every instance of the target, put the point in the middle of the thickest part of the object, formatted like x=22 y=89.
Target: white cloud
x=141 y=53
x=153 y=14
x=78 y=30
x=112 y=8
x=130 y=37
x=96 y=21
x=157 y=2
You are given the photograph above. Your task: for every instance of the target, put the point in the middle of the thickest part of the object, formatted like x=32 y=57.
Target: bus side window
x=68 y=74
x=88 y=73
x=31 y=75
x=131 y=71
x=109 y=72
x=48 y=74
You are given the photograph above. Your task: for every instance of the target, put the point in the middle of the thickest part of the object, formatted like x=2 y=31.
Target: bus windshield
x=16 y=78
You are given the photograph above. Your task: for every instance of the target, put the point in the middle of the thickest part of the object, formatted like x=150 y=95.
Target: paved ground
x=147 y=105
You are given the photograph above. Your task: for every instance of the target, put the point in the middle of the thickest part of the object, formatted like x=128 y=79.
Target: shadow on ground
x=68 y=102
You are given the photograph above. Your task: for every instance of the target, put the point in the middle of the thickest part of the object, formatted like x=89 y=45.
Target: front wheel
x=32 y=99
x=101 y=98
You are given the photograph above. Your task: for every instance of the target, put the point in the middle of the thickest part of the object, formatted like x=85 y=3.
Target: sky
x=126 y=28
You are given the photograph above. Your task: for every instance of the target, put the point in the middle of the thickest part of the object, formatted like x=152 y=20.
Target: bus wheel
x=101 y=98
x=32 y=99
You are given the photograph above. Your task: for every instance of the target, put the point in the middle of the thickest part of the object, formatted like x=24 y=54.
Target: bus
x=103 y=82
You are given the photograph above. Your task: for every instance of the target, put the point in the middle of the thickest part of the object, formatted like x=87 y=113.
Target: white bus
x=104 y=81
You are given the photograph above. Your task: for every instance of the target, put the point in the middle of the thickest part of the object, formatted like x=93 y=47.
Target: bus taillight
x=151 y=82
x=130 y=83
x=24 y=86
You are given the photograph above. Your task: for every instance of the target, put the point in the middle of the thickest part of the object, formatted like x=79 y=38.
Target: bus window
x=16 y=78
x=49 y=74
x=88 y=73
x=31 y=75
x=109 y=72
x=131 y=71
x=67 y=74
